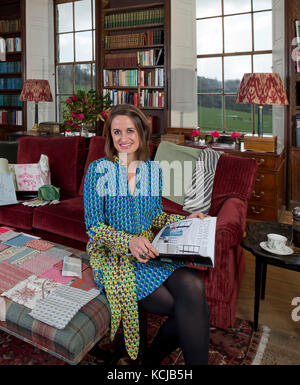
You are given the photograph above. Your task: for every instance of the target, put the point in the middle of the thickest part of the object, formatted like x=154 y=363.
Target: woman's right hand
x=142 y=249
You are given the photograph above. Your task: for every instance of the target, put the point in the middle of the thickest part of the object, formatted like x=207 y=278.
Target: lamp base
x=35 y=128
x=266 y=143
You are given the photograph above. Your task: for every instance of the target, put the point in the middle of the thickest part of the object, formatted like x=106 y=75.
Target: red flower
x=236 y=135
x=215 y=134
x=75 y=125
x=69 y=123
x=104 y=115
x=74 y=98
x=68 y=130
x=69 y=100
x=196 y=132
x=80 y=116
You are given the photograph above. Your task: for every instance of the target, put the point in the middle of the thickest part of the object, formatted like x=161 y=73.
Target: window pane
x=83 y=79
x=262 y=23
x=238 y=117
x=262 y=63
x=83 y=46
x=94 y=18
x=236 y=6
x=210 y=112
x=234 y=69
x=64 y=17
x=60 y=107
x=94 y=76
x=259 y=5
x=267 y=119
x=83 y=15
x=208 y=8
x=237 y=33
x=65 y=51
x=209 y=75
x=64 y=79
x=94 y=45
x=209 y=36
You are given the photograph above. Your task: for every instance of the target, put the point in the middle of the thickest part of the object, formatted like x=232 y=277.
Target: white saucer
x=286 y=251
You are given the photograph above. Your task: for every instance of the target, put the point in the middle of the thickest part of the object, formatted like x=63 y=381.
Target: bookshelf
x=12 y=65
x=134 y=57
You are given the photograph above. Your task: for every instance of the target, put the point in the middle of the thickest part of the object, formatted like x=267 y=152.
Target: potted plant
x=83 y=110
x=198 y=136
x=237 y=138
x=212 y=136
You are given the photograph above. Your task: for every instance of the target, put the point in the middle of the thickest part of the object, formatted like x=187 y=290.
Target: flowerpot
x=202 y=142
x=84 y=131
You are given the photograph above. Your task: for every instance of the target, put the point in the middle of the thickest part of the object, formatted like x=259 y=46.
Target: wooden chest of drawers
x=267 y=201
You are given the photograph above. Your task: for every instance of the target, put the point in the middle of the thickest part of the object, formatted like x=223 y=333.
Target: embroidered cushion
x=198 y=195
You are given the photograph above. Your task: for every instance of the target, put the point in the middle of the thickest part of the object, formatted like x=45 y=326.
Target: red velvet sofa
x=63 y=223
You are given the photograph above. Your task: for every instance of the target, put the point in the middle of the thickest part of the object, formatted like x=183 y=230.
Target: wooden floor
x=281 y=287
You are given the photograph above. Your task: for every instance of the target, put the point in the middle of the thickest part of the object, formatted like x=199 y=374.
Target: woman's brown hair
x=141 y=123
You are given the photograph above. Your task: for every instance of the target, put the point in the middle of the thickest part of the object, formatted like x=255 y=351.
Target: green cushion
x=178 y=164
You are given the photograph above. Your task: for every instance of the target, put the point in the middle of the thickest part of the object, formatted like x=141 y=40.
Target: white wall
x=183 y=64
x=40 y=54
x=278 y=65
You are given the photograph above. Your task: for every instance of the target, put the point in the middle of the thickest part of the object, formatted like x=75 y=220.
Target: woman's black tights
x=181 y=298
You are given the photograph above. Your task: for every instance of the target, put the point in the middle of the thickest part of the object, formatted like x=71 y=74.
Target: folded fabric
x=72 y=267
x=10 y=275
x=61 y=305
x=39 y=264
x=56 y=276
x=8 y=235
x=39 y=244
x=59 y=265
x=84 y=284
x=4 y=229
x=31 y=290
x=9 y=252
x=58 y=252
x=198 y=194
x=19 y=240
x=3 y=246
x=23 y=251
x=32 y=253
x=2 y=310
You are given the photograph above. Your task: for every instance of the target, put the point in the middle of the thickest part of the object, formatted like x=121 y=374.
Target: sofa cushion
x=178 y=164
x=172 y=207
x=65 y=218
x=66 y=159
x=18 y=215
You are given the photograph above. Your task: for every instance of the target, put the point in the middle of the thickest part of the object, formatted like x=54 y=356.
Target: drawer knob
x=257 y=211
x=260 y=178
x=259 y=195
x=260 y=161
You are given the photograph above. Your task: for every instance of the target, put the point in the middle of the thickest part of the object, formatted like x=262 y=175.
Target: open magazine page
x=189 y=240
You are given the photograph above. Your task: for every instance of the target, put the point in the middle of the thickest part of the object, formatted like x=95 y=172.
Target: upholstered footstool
x=70 y=344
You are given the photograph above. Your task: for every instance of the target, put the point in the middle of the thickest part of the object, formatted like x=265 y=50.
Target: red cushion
x=172 y=207
x=65 y=218
x=96 y=151
x=66 y=159
x=19 y=216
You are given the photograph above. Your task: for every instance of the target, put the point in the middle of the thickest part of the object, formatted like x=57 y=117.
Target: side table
x=257 y=232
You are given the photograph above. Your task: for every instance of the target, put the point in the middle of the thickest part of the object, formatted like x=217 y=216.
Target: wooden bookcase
x=292 y=13
x=133 y=56
x=12 y=70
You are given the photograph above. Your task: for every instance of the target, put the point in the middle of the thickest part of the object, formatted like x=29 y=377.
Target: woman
x=121 y=205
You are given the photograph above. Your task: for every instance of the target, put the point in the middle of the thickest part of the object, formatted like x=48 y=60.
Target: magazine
x=191 y=241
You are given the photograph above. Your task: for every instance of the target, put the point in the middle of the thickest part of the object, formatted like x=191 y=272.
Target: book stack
x=10 y=100
x=11 y=117
x=152 y=78
x=13 y=44
x=127 y=19
x=121 y=60
x=7 y=67
x=10 y=83
x=10 y=25
x=150 y=98
x=121 y=97
x=120 y=78
x=134 y=39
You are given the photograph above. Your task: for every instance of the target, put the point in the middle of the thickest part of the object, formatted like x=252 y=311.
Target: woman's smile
x=125 y=135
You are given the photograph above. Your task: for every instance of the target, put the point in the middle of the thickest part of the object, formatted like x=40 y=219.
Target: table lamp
x=36 y=90
x=260 y=89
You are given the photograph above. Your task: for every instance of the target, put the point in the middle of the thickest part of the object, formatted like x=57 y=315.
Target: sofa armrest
x=231 y=222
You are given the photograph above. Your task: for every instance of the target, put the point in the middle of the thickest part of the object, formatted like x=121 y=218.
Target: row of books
x=151 y=98
x=13 y=44
x=11 y=117
x=134 y=39
x=10 y=66
x=149 y=57
x=120 y=78
x=11 y=83
x=10 y=25
x=154 y=78
x=127 y=19
x=121 y=97
x=10 y=100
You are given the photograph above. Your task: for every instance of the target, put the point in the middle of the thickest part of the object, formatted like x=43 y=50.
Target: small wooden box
x=174 y=138
x=266 y=143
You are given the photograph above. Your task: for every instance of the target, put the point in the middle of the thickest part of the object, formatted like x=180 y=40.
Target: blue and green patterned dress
x=113 y=216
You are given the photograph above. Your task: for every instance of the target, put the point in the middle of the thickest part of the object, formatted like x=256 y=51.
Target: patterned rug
x=239 y=345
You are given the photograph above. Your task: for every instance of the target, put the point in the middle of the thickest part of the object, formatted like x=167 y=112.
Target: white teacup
x=276 y=242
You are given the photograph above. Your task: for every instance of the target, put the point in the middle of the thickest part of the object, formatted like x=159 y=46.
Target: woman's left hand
x=197 y=214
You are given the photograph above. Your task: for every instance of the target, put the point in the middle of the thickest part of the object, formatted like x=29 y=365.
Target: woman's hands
x=197 y=214
x=142 y=249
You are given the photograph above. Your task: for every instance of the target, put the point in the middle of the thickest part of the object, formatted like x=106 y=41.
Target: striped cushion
x=198 y=195
x=70 y=344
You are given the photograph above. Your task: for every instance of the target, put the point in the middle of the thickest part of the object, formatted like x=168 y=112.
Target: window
x=75 y=48
x=233 y=37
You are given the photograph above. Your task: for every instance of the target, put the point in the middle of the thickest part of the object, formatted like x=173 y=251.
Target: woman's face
x=125 y=135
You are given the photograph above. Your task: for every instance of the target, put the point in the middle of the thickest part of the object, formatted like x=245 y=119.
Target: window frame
x=222 y=55
x=92 y=62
